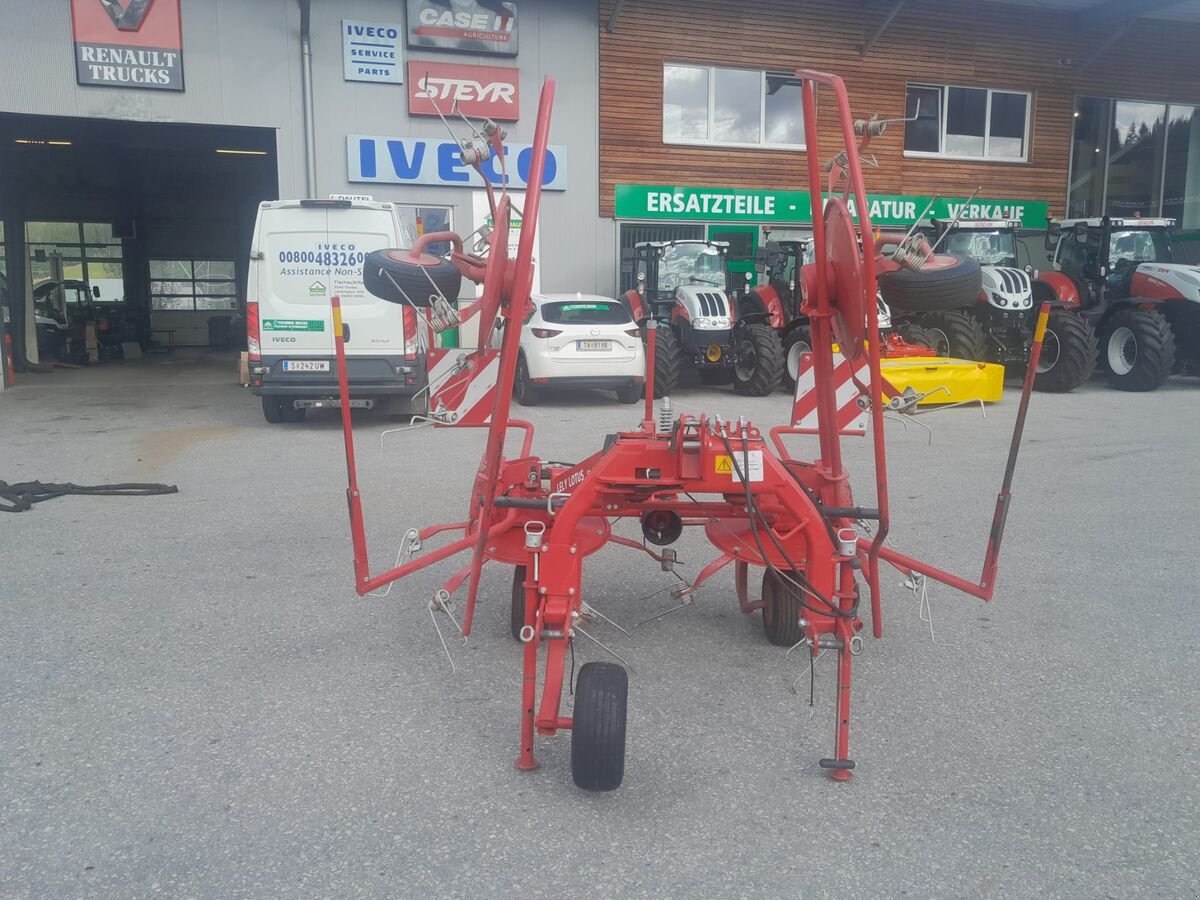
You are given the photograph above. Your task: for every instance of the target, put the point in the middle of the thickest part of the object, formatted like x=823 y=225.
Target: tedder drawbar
x=758 y=506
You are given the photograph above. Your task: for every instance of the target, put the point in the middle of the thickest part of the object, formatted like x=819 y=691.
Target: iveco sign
x=409 y=160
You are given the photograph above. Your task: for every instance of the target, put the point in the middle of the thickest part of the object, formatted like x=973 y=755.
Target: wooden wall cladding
x=976 y=44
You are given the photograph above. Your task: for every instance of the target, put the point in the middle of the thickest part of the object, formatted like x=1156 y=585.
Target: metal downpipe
x=306 y=87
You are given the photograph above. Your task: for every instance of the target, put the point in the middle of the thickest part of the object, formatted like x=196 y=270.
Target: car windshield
x=690 y=264
x=586 y=312
x=991 y=248
x=1138 y=246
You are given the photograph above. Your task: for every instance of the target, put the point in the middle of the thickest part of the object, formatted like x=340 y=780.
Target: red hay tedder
x=795 y=519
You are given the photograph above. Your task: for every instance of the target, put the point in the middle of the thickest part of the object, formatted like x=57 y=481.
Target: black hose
x=22 y=496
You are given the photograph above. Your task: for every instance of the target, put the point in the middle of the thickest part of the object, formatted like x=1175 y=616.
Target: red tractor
x=1119 y=275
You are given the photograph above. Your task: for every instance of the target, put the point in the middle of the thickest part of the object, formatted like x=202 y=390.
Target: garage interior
x=134 y=235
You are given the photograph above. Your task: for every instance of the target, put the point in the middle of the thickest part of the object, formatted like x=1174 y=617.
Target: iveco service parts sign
x=482 y=92
x=409 y=160
x=472 y=26
x=128 y=43
x=371 y=52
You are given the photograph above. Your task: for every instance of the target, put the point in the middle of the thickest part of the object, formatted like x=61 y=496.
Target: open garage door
x=128 y=238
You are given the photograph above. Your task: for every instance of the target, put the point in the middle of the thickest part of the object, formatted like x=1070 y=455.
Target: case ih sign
x=485 y=92
x=472 y=26
x=128 y=43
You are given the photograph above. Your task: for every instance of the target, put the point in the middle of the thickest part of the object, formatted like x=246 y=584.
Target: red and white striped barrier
x=851 y=418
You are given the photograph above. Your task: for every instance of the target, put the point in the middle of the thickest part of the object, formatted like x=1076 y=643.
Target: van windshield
x=586 y=312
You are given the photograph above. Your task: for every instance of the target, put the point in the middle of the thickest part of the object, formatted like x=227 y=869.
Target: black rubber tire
x=598 y=731
x=272 y=409
x=913 y=333
x=762 y=346
x=1072 y=340
x=412 y=280
x=1153 y=345
x=798 y=337
x=516 y=615
x=781 y=610
x=631 y=393
x=524 y=389
x=932 y=290
x=291 y=413
x=955 y=333
x=716 y=376
x=667 y=363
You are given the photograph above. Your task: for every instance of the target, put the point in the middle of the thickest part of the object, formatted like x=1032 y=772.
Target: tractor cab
x=991 y=241
x=780 y=262
x=1101 y=256
x=667 y=268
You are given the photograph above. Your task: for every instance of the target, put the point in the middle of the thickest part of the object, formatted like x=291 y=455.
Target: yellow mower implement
x=963 y=379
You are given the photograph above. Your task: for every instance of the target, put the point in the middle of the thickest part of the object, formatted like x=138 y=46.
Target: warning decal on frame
x=753 y=467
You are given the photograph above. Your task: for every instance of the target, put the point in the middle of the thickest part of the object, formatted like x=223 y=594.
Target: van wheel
x=272 y=410
x=292 y=413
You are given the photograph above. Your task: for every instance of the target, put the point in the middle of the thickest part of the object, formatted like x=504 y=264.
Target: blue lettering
x=450 y=166
x=366 y=158
x=405 y=168
x=548 y=174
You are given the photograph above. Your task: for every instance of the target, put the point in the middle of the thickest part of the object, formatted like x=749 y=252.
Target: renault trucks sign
x=128 y=43
x=481 y=92
x=471 y=26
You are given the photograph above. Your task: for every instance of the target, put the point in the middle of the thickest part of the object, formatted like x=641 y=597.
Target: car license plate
x=306 y=365
x=594 y=345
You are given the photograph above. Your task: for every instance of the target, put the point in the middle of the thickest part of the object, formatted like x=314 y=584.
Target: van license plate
x=594 y=345
x=306 y=365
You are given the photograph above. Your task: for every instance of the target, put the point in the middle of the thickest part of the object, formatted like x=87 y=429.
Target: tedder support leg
x=526 y=760
x=841 y=765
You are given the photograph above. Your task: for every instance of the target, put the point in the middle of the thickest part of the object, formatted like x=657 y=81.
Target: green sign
x=293 y=325
x=642 y=201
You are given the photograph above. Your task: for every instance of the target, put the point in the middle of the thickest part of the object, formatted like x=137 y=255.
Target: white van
x=305 y=252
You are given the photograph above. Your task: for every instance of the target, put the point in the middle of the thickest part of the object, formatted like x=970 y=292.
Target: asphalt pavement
x=195 y=703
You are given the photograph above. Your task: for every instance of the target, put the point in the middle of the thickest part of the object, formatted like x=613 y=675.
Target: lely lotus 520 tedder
x=758 y=506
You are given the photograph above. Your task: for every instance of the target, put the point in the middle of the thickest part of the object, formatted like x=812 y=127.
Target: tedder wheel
x=781 y=610
x=394 y=276
x=666 y=363
x=1068 y=353
x=631 y=393
x=956 y=333
x=1139 y=350
x=796 y=344
x=517 y=607
x=932 y=290
x=523 y=387
x=272 y=410
x=598 y=732
x=758 y=360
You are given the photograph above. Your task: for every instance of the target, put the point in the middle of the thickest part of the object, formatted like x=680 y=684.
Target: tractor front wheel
x=598 y=729
x=1068 y=353
x=666 y=363
x=1139 y=350
x=796 y=344
x=758 y=360
x=955 y=333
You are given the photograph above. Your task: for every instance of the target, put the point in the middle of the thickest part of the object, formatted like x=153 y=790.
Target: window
x=427 y=219
x=731 y=107
x=77 y=251
x=967 y=123
x=586 y=312
x=1134 y=157
x=192 y=284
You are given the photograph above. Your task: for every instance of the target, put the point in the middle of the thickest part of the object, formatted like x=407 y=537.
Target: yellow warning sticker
x=724 y=465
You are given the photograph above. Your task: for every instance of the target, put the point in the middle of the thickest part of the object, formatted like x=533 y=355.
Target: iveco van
x=305 y=252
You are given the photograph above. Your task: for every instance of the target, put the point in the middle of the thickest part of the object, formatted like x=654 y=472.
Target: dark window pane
x=966 y=116
x=1181 y=197
x=785 y=110
x=737 y=99
x=924 y=135
x=1085 y=195
x=1006 y=134
x=586 y=312
x=1135 y=158
x=685 y=103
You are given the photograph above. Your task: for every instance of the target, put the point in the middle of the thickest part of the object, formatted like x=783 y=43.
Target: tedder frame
x=756 y=504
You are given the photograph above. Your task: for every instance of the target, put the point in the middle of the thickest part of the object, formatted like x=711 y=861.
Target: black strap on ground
x=20 y=497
